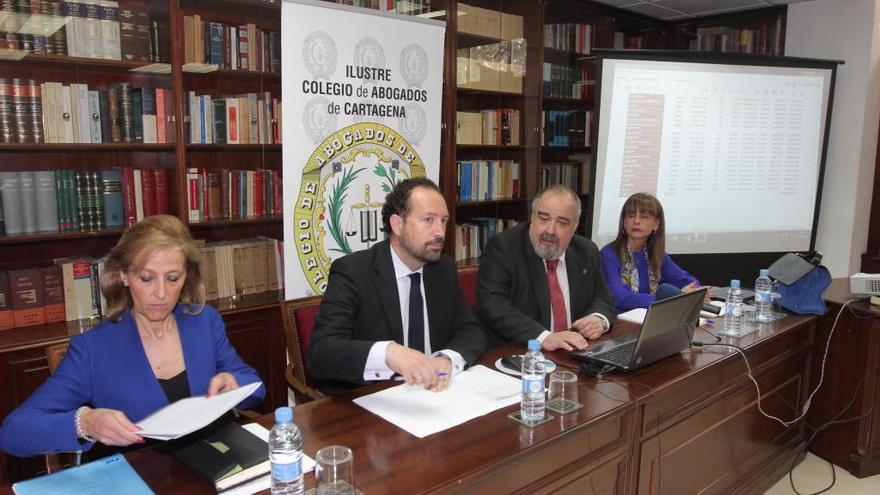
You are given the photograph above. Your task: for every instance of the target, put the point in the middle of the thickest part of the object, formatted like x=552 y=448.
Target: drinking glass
x=333 y=471
x=563 y=395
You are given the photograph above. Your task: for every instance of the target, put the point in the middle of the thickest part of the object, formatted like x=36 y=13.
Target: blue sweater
x=107 y=367
x=624 y=297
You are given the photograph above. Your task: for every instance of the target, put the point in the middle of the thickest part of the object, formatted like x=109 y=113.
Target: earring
x=125 y=283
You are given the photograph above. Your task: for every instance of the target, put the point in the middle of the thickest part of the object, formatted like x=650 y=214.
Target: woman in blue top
x=636 y=263
x=159 y=343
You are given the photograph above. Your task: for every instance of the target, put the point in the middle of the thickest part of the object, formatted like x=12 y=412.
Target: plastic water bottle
x=531 y=407
x=733 y=316
x=285 y=454
x=763 y=297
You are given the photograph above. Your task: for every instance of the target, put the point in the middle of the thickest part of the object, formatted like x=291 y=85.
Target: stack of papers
x=108 y=476
x=190 y=414
x=471 y=394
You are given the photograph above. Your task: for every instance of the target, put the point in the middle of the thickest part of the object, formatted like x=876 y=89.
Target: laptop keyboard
x=620 y=354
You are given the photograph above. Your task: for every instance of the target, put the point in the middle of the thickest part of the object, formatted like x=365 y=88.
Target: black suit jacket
x=361 y=307
x=513 y=300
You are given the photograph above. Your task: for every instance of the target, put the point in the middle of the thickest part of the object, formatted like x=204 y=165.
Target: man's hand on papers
x=222 y=382
x=414 y=366
x=443 y=367
x=109 y=426
x=566 y=340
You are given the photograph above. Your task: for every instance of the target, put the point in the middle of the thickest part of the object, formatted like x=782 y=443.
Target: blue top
x=624 y=297
x=107 y=367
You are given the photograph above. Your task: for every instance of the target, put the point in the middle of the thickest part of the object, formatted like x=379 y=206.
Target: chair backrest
x=54 y=354
x=467 y=279
x=299 y=316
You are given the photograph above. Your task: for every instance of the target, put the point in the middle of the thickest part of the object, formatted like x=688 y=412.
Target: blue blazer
x=107 y=367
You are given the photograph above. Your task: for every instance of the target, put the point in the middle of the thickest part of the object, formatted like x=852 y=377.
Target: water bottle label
x=762 y=297
x=286 y=471
x=533 y=385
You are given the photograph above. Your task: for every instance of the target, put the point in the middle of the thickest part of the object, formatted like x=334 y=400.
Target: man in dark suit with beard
x=539 y=280
x=396 y=308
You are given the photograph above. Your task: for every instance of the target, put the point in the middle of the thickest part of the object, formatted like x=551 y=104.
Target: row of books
x=229 y=46
x=562 y=81
x=764 y=40
x=51 y=112
x=565 y=173
x=630 y=41
x=69 y=290
x=567 y=128
x=492 y=67
x=66 y=200
x=249 y=118
x=232 y=194
x=408 y=7
x=489 y=23
x=569 y=36
x=83 y=28
x=488 y=180
x=499 y=126
x=471 y=237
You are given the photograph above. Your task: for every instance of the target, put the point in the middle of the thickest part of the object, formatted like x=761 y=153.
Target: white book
x=91 y=29
x=72 y=14
x=138 y=195
x=49 y=129
x=67 y=127
x=149 y=123
x=83 y=116
x=194 y=125
x=110 y=38
x=233 y=134
x=253 y=119
x=208 y=122
x=94 y=117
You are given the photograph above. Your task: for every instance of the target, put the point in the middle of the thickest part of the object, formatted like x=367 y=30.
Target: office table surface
x=388 y=460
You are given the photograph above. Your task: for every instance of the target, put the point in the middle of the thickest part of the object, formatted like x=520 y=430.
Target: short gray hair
x=558 y=189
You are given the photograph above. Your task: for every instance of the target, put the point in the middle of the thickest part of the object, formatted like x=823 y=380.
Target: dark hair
x=656 y=245
x=397 y=201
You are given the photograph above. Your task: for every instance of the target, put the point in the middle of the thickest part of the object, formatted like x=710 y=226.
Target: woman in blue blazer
x=636 y=263
x=159 y=344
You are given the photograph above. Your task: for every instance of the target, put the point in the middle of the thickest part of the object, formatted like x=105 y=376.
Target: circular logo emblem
x=415 y=124
x=414 y=64
x=319 y=54
x=344 y=183
x=369 y=53
x=317 y=121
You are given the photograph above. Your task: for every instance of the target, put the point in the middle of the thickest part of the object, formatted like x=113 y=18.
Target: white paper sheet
x=190 y=414
x=419 y=411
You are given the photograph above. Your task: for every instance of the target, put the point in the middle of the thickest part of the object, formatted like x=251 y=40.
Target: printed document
x=188 y=415
x=471 y=394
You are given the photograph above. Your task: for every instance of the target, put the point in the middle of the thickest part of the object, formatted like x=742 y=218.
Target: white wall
x=846 y=30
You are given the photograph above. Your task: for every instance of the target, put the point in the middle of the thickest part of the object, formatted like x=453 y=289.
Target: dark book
x=226 y=457
x=110 y=98
x=53 y=293
x=134 y=34
x=219 y=123
x=214 y=43
x=61 y=201
x=155 y=48
x=6 y=319
x=129 y=208
x=96 y=199
x=7 y=124
x=35 y=109
x=274 y=51
x=214 y=193
x=148 y=196
x=21 y=111
x=26 y=287
x=72 y=199
x=148 y=115
x=161 y=177
x=28 y=195
x=57 y=41
x=126 y=112
x=83 y=212
x=137 y=113
x=114 y=214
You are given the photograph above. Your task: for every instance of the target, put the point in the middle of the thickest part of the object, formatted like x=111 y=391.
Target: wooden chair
x=56 y=462
x=299 y=319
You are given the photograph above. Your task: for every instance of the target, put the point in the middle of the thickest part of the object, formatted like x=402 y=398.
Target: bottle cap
x=534 y=345
x=765 y=272
x=283 y=414
x=734 y=283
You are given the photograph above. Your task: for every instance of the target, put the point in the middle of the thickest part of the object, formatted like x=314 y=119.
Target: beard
x=548 y=252
x=425 y=253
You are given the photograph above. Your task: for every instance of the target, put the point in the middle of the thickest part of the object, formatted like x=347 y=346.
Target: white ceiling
x=672 y=10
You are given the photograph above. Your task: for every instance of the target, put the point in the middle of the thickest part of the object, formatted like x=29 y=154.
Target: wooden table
x=687 y=424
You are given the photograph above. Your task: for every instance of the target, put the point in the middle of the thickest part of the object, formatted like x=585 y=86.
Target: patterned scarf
x=629 y=272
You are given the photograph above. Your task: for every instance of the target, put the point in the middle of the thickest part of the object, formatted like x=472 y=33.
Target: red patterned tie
x=557 y=300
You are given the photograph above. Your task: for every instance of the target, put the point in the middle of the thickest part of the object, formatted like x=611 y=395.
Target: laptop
x=668 y=329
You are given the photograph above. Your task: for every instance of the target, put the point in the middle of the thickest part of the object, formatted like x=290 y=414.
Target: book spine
x=160 y=175
x=96 y=198
x=148 y=181
x=155 y=47
x=82 y=202
x=114 y=213
x=72 y=200
x=57 y=44
x=219 y=122
x=148 y=119
x=25 y=38
x=126 y=113
x=11 y=197
x=47 y=201
x=36 y=20
x=94 y=45
x=7 y=124
x=137 y=113
x=7 y=320
x=95 y=123
x=161 y=137
x=8 y=25
x=63 y=221
x=139 y=194
x=53 y=293
x=109 y=17
x=26 y=287
x=27 y=180
x=128 y=197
